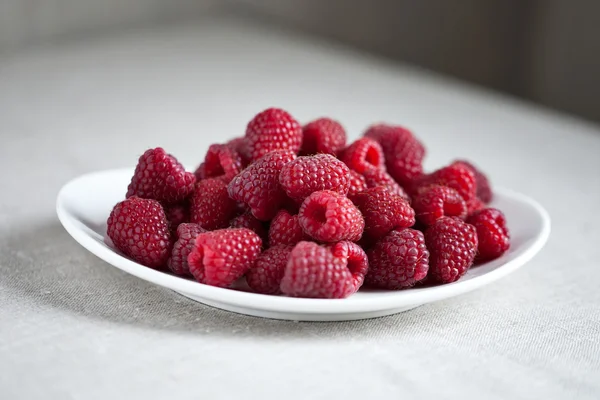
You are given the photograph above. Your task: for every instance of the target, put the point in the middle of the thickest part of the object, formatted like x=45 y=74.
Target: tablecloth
x=74 y=327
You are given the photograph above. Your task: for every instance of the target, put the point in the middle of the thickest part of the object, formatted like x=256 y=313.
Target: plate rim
x=390 y=300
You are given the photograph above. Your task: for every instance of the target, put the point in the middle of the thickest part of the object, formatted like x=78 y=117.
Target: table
x=73 y=327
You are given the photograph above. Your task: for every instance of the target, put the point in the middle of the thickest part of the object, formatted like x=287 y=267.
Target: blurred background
x=543 y=51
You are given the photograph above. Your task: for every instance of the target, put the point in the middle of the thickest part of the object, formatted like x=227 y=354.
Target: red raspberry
x=356 y=260
x=323 y=135
x=222 y=160
x=399 y=260
x=457 y=176
x=200 y=172
x=358 y=184
x=273 y=129
x=377 y=177
x=211 y=207
x=328 y=216
x=161 y=177
x=316 y=271
x=258 y=185
x=363 y=154
x=139 y=228
x=434 y=202
x=309 y=174
x=403 y=152
x=266 y=274
x=452 y=245
x=239 y=144
x=285 y=230
x=383 y=211
x=186 y=237
x=484 y=191
x=177 y=214
x=221 y=257
x=492 y=233
x=247 y=220
x=474 y=205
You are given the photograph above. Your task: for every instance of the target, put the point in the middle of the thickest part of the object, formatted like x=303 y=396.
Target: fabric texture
x=74 y=327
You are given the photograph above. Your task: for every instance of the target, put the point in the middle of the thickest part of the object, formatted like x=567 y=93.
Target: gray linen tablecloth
x=73 y=327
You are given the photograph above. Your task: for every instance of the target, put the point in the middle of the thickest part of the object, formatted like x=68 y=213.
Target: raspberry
x=200 y=172
x=434 y=202
x=220 y=257
x=323 y=135
x=492 y=233
x=177 y=214
x=139 y=229
x=317 y=271
x=328 y=216
x=383 y=211
x=403 y=152
x=452 y=245
x=239 y=144
x=358 y=184
x=161 y=177
x=484 y=191
x=221 y=160
x=399 y=260
x=247 y=220
x=457 y=176
x=377 y=177
x=258 y=185
x=186 y=237
x=363 y=154
x=285 y=229
x=309 y=174
x=474 y=205
x=266 y=274
x=273 y=129
x=211 y=207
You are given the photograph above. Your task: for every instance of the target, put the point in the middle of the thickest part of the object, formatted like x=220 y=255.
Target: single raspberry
x=220 y=257
x=434 y=202
x=399 y=260
x=285 y=229
x=484 y=190
x=222 y=160
x=377 y=177
x=309 y=174
x=159 y=176
x=356 y=261
x=317 y=271
x=492 y=233
x=474 y=205
x=139 y=228
x=239 y=144
x=258 y=185
x=266 y=273
x=323 y=135
x=383 y=211
x=247 y=220
x=328 y=216
x=186 y=237
x=200 y=172
x=457 y=176
x=273 y=129
x=177 y=214
x=358 y=184
x=363 y=154
x=211 y=207
x=403 y=152
x=452 y=246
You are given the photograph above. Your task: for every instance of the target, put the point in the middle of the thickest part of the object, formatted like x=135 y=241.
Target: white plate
x=83 y=205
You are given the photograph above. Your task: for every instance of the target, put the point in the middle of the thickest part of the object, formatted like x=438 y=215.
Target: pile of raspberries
x=297 y=211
